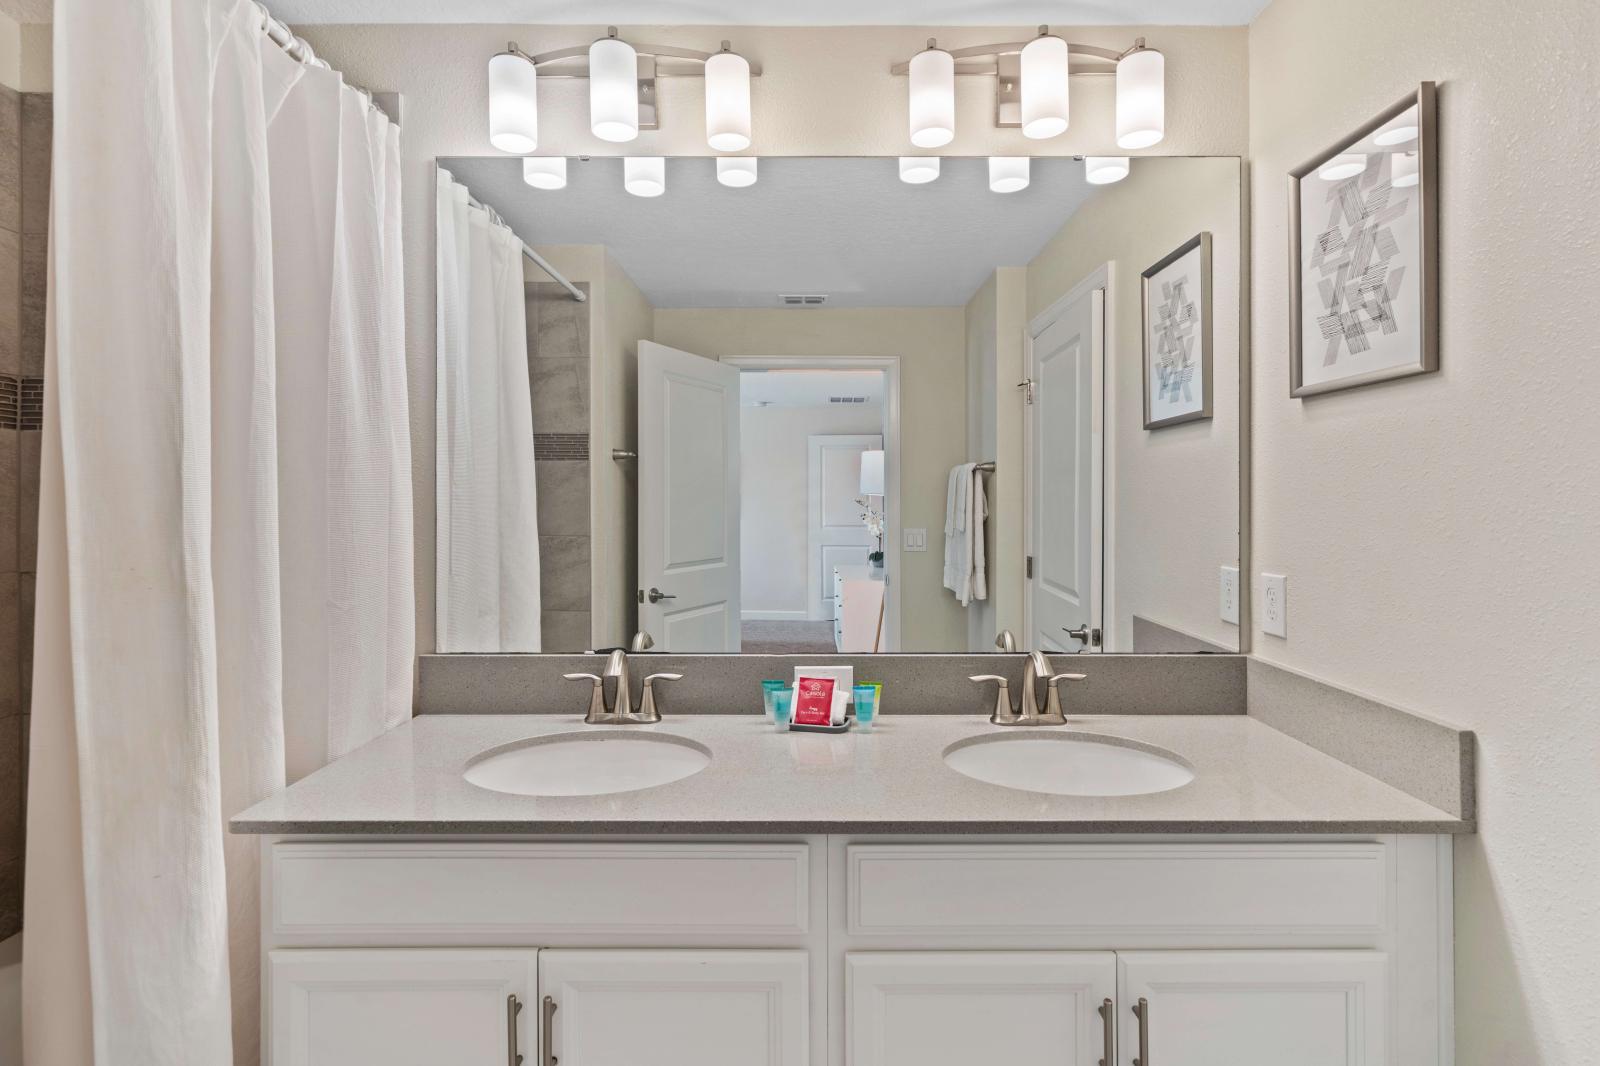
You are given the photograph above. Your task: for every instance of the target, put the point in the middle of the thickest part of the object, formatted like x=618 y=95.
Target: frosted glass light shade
x=1104 y=169
x=872 y=473
x=1044 y=87
x=1403 y=174
x=728 y=102
x=613 y=90
x=1141 y=98
x=513 y=104
x=1341 y=167
x=1008 y=173
x=1400 y=130
x=644 y=175
x=545 y=171
x=737 y=172
x=933 y=98
x=918 y=169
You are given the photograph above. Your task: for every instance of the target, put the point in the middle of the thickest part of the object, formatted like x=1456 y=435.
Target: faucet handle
x=648 y=712
x=1004 y=713
x=1053 y=712
x=597 y=696
x=1066 y=677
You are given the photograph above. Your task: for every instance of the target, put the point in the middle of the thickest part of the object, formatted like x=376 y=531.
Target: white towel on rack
x=965 y=510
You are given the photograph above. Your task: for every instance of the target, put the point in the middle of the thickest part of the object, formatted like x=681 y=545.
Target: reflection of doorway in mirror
x=1063 y=480
x=807 y=518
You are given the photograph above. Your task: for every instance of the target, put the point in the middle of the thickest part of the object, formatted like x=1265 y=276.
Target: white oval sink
x=587 y=764
x=1069 y=764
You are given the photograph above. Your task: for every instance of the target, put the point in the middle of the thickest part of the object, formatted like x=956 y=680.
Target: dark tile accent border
x=913 y=684
x=556 y=447
x=1430 y=760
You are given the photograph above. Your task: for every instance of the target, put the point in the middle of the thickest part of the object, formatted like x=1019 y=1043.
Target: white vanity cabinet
x=858 y=951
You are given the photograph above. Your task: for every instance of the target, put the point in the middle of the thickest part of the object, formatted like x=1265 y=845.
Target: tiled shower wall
x=558 y=379
x=24 y=215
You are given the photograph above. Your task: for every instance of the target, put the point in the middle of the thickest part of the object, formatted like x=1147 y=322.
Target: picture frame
x=1364 y=253
x=1176 y=332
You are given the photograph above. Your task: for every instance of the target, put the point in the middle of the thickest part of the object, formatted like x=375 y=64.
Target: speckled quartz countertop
x=1249 y=778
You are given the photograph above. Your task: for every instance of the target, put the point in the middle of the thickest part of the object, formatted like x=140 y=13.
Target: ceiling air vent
x=847 y=399
x=801 y=299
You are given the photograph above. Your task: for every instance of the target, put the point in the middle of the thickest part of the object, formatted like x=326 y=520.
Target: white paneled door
x=676 y=1008
x=1253 y=1008
x=835 y=534
x=352 y=1007
x=1063 y=484
x=688 y=500
x=970 y=1008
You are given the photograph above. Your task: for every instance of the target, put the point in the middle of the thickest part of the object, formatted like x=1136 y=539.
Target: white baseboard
x=775 y=616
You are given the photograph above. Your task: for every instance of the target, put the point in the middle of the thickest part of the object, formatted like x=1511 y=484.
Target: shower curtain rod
x=298 y=50
x=538 y=260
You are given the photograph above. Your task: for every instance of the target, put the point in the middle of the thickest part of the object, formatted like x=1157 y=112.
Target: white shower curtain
x=488 y=537
x=208 y=412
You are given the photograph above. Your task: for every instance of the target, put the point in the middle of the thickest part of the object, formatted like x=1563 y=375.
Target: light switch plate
x=915 y=540
x=1228 y=589
x=1275 y=605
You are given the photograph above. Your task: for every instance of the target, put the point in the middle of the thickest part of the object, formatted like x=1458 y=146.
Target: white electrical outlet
x=1229 y=590
x=1275 y=605
x=915 y=540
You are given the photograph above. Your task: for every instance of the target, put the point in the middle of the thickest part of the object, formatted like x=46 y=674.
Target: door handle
x=547 y=1035
x=1142 y=1010
x=1109 y=1022
x=513 y=1008
x=1089 y=637
x=655 y=595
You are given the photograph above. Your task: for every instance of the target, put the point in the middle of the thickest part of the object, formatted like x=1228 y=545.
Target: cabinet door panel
x=1255 y=1008
x=928 y=1008
x=677 y=1008
x=351 y=1007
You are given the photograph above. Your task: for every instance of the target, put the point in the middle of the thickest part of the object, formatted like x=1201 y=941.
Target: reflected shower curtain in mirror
x=488 y=538
x=224 y=391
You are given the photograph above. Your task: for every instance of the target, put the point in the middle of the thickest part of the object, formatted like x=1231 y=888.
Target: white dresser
x=858 y=608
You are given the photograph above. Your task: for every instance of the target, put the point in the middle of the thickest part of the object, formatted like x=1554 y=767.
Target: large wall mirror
x=834 y=409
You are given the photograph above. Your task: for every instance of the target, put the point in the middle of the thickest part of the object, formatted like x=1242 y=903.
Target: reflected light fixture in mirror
x=1104 y=169
x=1400 y=131
x=547 y=172
x=513 y=102
x=933 y=97
x=918 y=169
x=644 y=175
x=728 y=101
x=1404 y=173
x=1008 y=173
x=1141 y=97
x=737 y=172
x=1341 y=167
x=613 y=90
x=1045 y=91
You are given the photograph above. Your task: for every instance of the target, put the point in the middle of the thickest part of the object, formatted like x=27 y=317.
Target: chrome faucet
x=1032 y=710
x=613 y=704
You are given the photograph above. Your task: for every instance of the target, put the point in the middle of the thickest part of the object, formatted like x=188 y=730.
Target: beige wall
x=1172 y=501
x=932 y=351
x=1439 y=533
x=824 y=92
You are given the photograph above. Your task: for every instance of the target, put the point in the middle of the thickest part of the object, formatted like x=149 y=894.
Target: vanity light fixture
x=1403 y=173
x=513 y=102
x=1045 y=90
x=1032 y=91
x=1341 y=167
x=1104 y=169
x=547 y=172
x=918 y=169
x=933 y=96
x=728 y=101
x=1141 y=97
x=613 y=90
x=1008 y=173
x=622 y=90
x=644 y=175
x=1401 y=131
x=737 y=172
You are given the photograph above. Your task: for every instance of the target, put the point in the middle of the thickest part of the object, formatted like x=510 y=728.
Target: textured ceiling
x=775 y=12
x=845 y=227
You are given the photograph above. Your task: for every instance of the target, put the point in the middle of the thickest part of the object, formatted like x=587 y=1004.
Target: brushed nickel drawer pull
x=1108 y=1017
x=513 y=1008
x=1142 y=1009
x=547 y=1034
